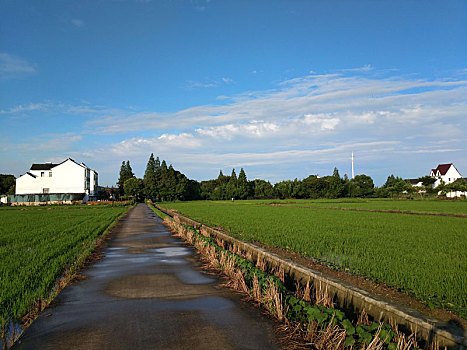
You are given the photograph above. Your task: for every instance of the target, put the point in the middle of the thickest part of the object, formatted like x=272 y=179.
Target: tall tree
x=243 y=188
x=128 y=170
x=231 y=189
x=125 y=173
x=150 y=184
x=158 y=163
x=336 y=185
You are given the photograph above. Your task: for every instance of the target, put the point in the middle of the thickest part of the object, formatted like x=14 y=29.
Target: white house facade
x=65 y=177
x=446 y=173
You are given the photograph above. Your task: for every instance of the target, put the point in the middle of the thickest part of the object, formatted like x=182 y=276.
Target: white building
x=445 y=172
x=65 y=177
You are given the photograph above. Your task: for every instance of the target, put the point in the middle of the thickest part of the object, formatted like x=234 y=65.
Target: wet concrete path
x=148 y=292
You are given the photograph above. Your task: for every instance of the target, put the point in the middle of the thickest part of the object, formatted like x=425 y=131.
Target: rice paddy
x=424 y=256
x=38 y=244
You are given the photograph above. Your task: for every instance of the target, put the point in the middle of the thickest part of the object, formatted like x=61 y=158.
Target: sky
x=283 y=89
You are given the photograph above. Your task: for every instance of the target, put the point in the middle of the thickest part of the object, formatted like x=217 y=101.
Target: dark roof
x=46 y=166
x=443 y=168
x=413 y=181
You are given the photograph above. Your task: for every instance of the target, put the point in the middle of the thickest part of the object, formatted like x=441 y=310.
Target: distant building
x=445 y=172
x=67 y=177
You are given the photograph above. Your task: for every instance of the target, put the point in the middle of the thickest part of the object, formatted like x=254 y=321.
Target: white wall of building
x=451 y=175
x=27 y=184
x=67 y=177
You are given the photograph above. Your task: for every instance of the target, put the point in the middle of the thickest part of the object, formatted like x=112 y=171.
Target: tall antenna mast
x=353 y=174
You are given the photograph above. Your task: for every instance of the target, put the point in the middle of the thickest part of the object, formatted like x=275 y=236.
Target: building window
x=45 y=190
x=42 y=174
x=50 y=174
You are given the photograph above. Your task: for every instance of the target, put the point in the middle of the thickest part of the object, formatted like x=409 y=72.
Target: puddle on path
x=160 y=286
x=172 y=252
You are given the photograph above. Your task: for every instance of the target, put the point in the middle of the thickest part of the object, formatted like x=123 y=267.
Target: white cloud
x=227 y=80
x=190 y=84
x=350 y=100
x=26 y=108
x=305 y=121
x=77 y=22
x=254 y=129
x=12 y=66
x=46 y=143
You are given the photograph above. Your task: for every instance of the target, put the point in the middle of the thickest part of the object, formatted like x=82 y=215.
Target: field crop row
x=414 y=206
x=425 y=256
x=36 y=244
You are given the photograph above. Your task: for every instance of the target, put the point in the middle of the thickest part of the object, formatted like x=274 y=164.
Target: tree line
x=162 y=183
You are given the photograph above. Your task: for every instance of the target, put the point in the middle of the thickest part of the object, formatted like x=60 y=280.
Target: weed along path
x=148 y=292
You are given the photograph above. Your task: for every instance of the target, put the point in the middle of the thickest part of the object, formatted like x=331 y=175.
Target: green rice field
x=436 y=206
x=425 y=256
x=37 y=243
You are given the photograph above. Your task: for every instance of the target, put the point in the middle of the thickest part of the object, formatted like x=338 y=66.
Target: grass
x=422 y=255
x=414 y=206
x=38 y=243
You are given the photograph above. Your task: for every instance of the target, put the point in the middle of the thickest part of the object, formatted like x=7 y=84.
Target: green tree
x=363 y=186
x=125 y=173
x=158 y=163
x=163 y=166
x=7 y=183
x=231 y=188
x=243 y=188
x=427 y=180
x=149 y=179
x=336 y=185
x=390 y=181
x=283 y=189
x=207 y=189
x=314 y=187
x=396 y=186
x=262 y=189
x=134 y=187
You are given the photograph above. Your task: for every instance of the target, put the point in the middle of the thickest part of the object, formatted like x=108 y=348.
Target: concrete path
x=148 y=292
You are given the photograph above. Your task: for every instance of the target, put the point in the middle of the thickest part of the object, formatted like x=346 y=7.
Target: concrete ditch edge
x=346 y=295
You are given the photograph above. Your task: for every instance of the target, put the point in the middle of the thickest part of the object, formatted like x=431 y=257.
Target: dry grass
x=376 y=343
x=238 y=282
x=405 y=342
x=332 y=337
x=273 y=298
x=363 y=319
x=261 y=264
x=322 y=296
x=220 y=242
x=303 y=292
x=256 y=290
x=279 y=272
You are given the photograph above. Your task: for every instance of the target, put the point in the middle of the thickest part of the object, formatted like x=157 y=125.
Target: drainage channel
x=347 y=297
x=148 y=291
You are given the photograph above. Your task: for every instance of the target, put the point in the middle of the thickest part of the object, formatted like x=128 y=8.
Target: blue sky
x=283 y=89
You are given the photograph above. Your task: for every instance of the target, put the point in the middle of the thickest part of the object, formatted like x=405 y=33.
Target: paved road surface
x=148 y=292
